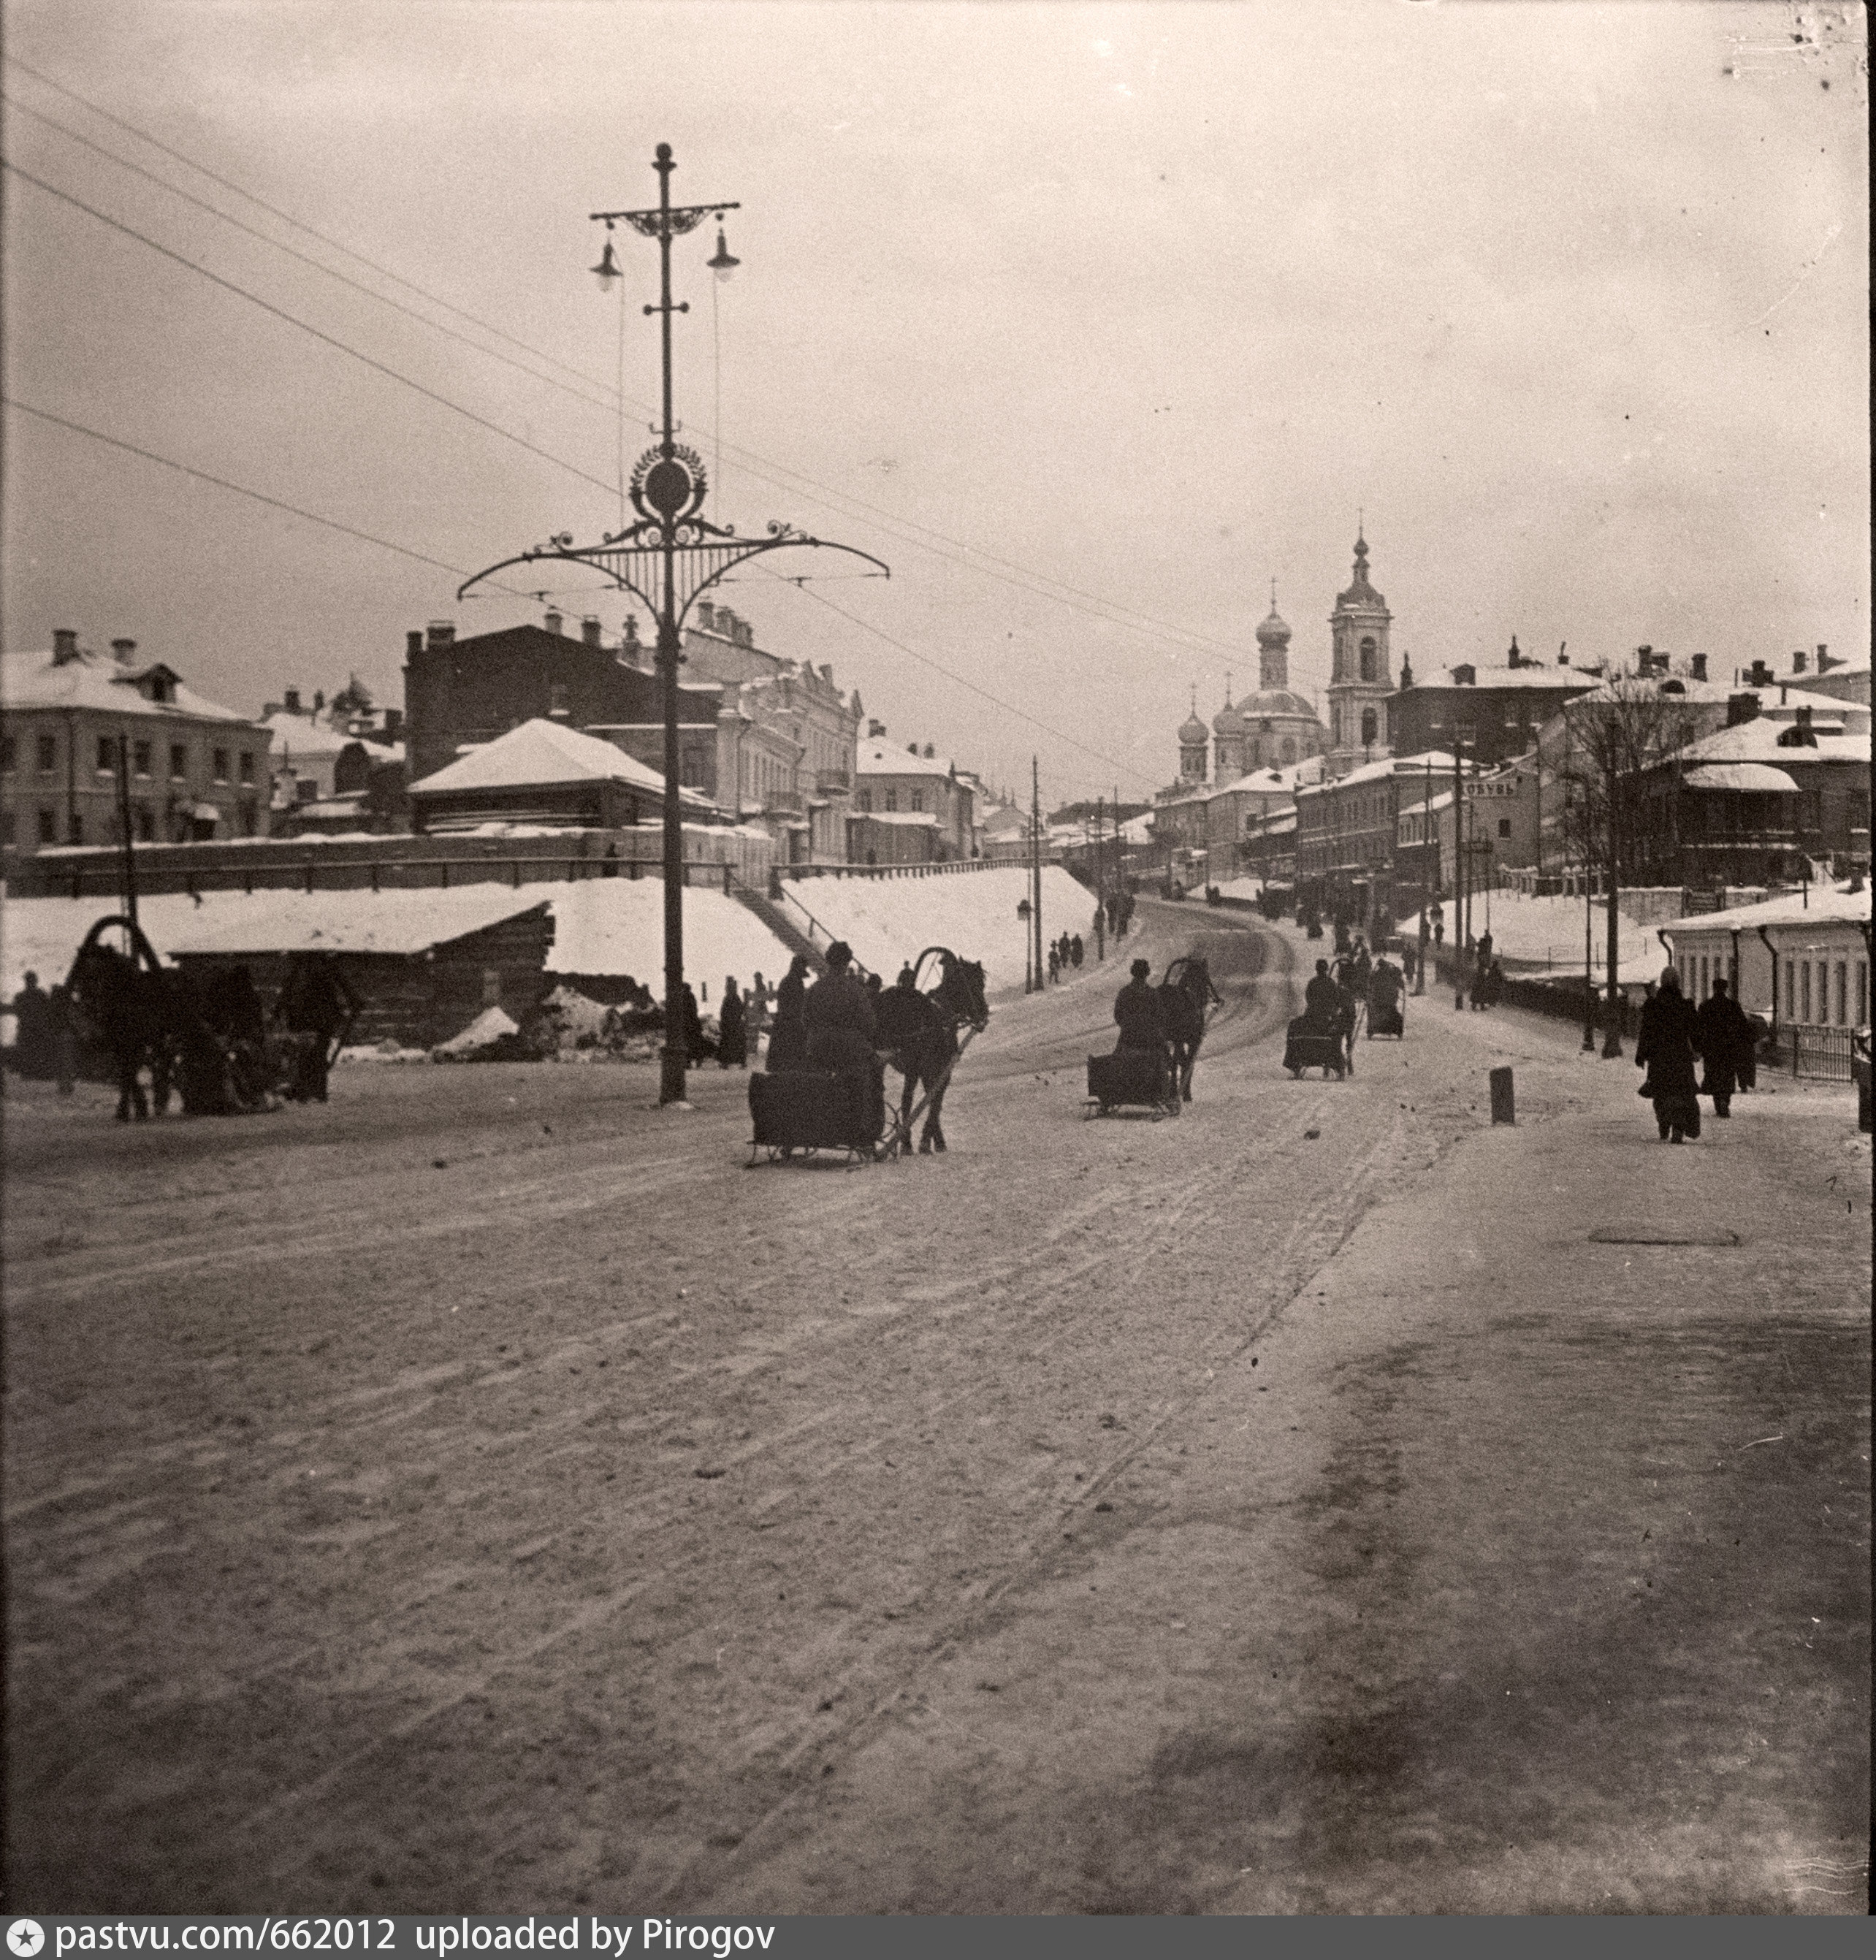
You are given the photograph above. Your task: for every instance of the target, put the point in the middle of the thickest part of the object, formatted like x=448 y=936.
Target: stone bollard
x=1502 y=1108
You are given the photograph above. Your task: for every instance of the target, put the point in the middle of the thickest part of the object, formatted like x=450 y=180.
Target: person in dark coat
x=64 y=1040
x=788 y=1038
x=1137 y=1013
x=732 y=1030
x=1724 y=1037
x=1075 y=950
x=315 y=1004
x=1055 y=963
x=838 y=1013
x=32 y=1031
x=695 y=1047
x=1666 y=1049
x=1322 y=1002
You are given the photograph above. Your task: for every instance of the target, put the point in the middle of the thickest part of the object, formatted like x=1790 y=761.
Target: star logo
x=25 y=1937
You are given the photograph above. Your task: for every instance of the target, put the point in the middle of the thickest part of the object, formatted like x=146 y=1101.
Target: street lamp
x=666 y=560
x=1023 y=912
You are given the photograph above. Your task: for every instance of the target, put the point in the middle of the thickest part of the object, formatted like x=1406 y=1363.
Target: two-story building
x=197 y=770
x=910 y=781
x=1492 y=713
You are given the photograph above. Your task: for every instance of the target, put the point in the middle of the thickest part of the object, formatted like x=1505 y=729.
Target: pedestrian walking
x=32 y=1031
x=788 y=1038
x=1724 y=1036
x=1666 y=1049
x=1055 y=965
x=732 y=1028
x=315 y=1004
x=1075 y=951
x=755 y=1013
x=695 y=1047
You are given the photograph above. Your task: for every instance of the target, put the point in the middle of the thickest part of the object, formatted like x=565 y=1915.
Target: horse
x=124 y=999
x=1185 y=994
x=920 y=1029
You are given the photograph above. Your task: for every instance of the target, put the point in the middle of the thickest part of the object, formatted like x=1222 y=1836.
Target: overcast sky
x=1090 y=320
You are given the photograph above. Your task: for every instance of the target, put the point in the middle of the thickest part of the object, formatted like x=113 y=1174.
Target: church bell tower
x=1361 y=672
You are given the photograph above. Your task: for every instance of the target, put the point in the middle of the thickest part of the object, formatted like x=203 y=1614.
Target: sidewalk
x=1522 y=1564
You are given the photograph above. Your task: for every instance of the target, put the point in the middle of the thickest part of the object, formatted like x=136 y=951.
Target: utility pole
x=1612 y=1035
x=666 y=560
x=1035 y=866
x=1458 y=877
x=1101 y=890
x=123 y=817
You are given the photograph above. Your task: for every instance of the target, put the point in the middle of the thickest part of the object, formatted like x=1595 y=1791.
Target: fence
x=950 y=868
x=394 y=875
x=1821 y=1055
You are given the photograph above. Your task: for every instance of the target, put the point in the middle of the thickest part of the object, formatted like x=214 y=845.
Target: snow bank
x=616 y=926
x=889 y=921
x=1547 y=932
x=487 y=1028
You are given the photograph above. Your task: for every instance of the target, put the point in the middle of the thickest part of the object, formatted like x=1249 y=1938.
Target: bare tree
x=1612 y=738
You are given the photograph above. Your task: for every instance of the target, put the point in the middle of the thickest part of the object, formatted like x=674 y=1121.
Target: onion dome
x=1274 y=631
x=1228 y=720
x=1360 y=592
x=1191 y=731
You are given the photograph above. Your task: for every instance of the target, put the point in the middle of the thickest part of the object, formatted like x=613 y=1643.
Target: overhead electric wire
x=958 y=679
x=242 y=490
x=307 y=258
x=293 y=320
x=1128 y=619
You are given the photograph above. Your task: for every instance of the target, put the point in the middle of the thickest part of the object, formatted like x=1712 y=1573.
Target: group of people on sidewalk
x=1674 y=1034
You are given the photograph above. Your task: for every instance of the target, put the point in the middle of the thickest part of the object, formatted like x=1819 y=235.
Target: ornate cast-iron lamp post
x=666 y=560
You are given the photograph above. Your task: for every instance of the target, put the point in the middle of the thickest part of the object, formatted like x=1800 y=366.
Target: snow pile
x=889 y=921
x=1547 y=933
x=615 y=926
x=487 y=1028
x=384 y=1051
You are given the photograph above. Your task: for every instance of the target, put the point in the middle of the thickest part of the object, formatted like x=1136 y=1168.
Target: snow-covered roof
x=1821 y=906
x=402 y=921
x=537 y=753
x=1542 y=678
x=1738 y=776
x=1274 y=782
x=1428 y=761
x=92 y=680
x=901 y=816
x=1757 y=741
x=879 y=757
x=301 y=735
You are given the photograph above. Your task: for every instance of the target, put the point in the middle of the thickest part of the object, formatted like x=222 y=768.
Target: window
x=863 y=800
x=250 y=820
x=1368 y=660
x=107 y=754
x=140 y=756
x=306 y=789
x=918 y=799
x=1862 y=991
x=48 y=826
x=1790 y=989
x=6 y=755
x=1803 y=990
x=1843 y=994
x=557 y=700
x=247 y=765
x=893 y=799
x=48 y=754
x=1504 y=826
x=6 y=828
x=1699 y=991
x=178 y=762
x=75 y=828
x=1371 y=726
x=146 y=823
x=221 y=765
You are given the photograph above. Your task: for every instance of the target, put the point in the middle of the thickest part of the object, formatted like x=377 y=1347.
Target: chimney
x=707 y=615
x=551 y=620
x=1804 y=716
x=1798 y=659
x=630 y=651
x=393 y=723
x=290 y=702
x=1699 y=664
x=590 y=630
x=1514 y=658
x=64 y=646
x=1758 y=675
x=413 y=643
x=442 y=632
x=1741 y=708
x=930 y=752
x=1562 y=659
x=1825 y=662
x=124 y=649
x=875 y=730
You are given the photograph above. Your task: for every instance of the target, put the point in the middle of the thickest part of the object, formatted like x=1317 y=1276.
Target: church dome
x=1361 y=592
x=1228 y=720
x=1191 y=731
x=1269 y=703
x=1274 y=631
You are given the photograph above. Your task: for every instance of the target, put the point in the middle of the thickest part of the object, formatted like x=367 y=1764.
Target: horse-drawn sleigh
x=1159 y=1079
x=920 y=1030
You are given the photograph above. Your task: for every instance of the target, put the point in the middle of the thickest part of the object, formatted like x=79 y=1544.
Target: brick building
x=197 y=770
x=1348 y=832
x=1495 y=713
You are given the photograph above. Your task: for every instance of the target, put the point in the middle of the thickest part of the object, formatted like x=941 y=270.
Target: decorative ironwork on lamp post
x=666 y=560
